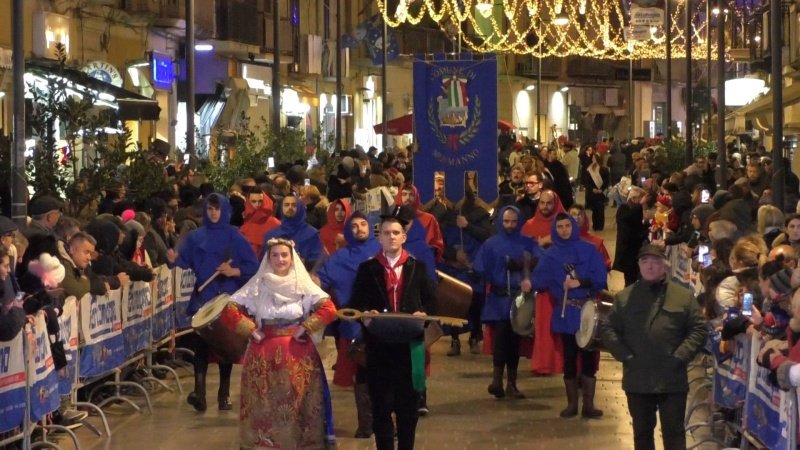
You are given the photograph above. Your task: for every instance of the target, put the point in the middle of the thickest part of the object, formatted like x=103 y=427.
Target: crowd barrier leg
x=118 y=383
x=99 y=412
x=149 y=367
x=48 y=427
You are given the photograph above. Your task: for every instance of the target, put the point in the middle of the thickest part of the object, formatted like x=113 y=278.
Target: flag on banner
x=375 y=42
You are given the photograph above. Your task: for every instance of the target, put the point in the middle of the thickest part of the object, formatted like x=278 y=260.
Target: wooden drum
x=224 y=327
x=453 y=297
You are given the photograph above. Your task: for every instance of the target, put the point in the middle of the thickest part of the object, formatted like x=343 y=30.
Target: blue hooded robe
x=339 y=272
x=490 y=263
x=306 y=238
x=417 y=246
x=550 y=274
x=205 y=248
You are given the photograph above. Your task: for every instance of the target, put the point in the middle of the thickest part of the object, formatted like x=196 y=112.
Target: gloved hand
x=734 y=326
x=513 y=265
x=782 y=374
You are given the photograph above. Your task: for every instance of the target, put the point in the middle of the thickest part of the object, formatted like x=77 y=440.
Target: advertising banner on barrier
x=101 y=329
x=44 y=390
x=68 y=333
x=12 y=383
x=769 y=412
x=455 y=119
x=163 y=297
x=731 y=376
x=184 y=286
x=137 y=309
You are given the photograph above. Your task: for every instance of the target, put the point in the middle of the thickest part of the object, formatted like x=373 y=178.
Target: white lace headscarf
x=271 y=296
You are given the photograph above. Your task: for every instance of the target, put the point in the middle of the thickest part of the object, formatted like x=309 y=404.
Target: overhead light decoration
x=560 y=28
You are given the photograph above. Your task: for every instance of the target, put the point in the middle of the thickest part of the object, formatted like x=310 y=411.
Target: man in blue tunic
x=337 y=276
x=215 y=248
x=576 y=267
x=294 y=227
x=504 y=261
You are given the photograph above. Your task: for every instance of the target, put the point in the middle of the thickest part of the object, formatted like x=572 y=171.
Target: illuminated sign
x=162 y=71
x=104 y=71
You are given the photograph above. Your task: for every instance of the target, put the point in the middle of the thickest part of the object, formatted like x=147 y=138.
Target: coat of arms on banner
x=454 y=124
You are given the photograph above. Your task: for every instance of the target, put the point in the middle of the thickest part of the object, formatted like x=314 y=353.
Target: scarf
x=594 y=172
x=394 y=284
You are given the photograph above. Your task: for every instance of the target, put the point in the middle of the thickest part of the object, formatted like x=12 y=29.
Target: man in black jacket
x=656 y=329
x=394 y=281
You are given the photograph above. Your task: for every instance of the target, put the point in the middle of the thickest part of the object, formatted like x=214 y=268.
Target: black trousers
x=571 y=354
x=505 y=351
x=596 y=203
x=201 y=354
x=391 y=390
x=671 y=410
x=474 y=316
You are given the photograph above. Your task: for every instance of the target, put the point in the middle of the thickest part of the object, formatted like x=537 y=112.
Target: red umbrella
x=396 y=127
x=504 y=125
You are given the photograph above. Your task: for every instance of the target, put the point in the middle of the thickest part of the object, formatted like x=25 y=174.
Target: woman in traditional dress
x=282 y=379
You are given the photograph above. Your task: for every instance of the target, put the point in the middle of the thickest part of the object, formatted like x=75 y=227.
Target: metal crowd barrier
x=102 y=335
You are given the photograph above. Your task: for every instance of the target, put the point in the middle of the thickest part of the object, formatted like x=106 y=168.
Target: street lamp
x=561 y=19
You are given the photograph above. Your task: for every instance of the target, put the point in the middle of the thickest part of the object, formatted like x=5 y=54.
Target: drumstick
x=354 y=314
x=211 y=278
x=564 y=303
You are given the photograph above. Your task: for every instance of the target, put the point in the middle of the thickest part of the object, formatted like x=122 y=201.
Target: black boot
x=511 y=385
x=571 y=385
x=363 y=411
x=589 y=410
x=475 y=346
x=455 y=347
x=422 y=403
x=198 y=397
x=496 y=388
x=224 y=392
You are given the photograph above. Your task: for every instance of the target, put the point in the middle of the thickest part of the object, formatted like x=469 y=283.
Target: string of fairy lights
x=545 y=28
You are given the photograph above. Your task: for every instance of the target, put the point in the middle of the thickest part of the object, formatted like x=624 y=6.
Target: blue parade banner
x=68 y=333
x=44 y=387
x=768 y=410
x=12 y=383
x=731 y=376
x=137 y=310
x=163 y=314
x=455 y=124
x=184 y=286
x=101 y=331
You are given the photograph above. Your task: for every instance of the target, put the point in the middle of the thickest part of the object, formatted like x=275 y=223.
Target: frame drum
x=224 y=327
x=453 y=296
x=593 y=312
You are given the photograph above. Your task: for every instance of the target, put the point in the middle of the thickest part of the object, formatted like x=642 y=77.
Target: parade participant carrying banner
x=12 y=383
x=68 y=334
x=769 y=411
x=163 y=297
x=455 y=120
x=44 y=390
x=137 y=309
x=101 y=332
x=184 y=285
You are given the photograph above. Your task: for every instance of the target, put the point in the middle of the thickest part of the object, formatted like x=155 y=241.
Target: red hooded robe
x=257 y=221
x=434 y=236
x=597 y=241
x=328 y=233
x=547 y=358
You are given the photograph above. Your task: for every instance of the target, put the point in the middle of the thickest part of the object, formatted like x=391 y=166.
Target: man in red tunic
x=547 y=358
x=409 y=196
x=258 y=219
x=578 y=212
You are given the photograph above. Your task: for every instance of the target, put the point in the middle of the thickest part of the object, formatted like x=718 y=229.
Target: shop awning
x=131 y=106
x=405 y=125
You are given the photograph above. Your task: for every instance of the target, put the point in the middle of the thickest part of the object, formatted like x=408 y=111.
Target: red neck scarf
x=394 y=284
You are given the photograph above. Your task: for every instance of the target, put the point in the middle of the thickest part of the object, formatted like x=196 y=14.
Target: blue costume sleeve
x=243 y=258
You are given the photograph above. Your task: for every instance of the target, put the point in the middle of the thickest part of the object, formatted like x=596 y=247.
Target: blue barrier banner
x=731 y=376
x=769 y=412
x=101 y=331
x=137 y=310
x=68 y=333
x=163 y=297
x=44 y=380
x=184 y=285
x=12 y=383
x=455 y=124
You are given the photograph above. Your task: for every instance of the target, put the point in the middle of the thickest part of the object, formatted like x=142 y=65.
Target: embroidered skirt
x=282 y=394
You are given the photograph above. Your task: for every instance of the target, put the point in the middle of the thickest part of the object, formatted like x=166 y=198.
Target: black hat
x=7 y=226
x=782 y=281
x=651 y=250
x=43 y=205
x=402 y=213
